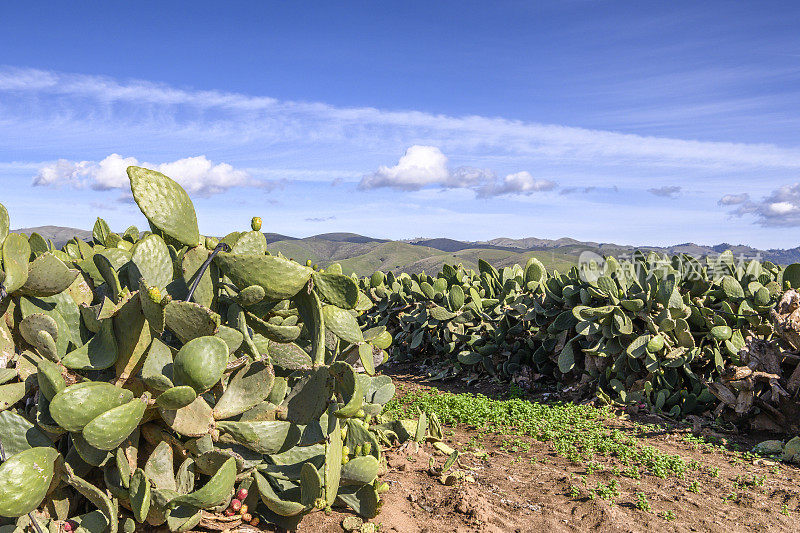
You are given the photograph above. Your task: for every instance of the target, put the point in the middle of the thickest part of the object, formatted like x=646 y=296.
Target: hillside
x=364 y=255
x=367 y=257
x=58 y=234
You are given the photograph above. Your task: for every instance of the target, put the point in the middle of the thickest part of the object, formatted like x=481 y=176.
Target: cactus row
x=148 y=378
x=650 y=329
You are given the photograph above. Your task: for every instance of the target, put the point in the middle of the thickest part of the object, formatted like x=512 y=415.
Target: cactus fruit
x=211 y=349
x=155 y=295
x=655 y=344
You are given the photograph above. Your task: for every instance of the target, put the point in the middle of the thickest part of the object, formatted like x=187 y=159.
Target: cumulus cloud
x=780 y=208
x=424 y=166
x=518 y=183
x=418 y=167
x=198 y=175
x=668 y=191
x=734 y=199
x=470 y=177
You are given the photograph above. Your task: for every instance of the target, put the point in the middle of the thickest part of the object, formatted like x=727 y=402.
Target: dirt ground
x=518 y=484
x=529 y=489
x=511 y=495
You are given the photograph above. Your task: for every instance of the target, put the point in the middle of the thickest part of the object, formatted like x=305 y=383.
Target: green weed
x=641 y=502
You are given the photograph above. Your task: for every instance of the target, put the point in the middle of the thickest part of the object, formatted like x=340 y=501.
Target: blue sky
x=627 y=122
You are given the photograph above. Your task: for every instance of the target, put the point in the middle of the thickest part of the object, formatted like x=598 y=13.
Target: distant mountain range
x=58 y=234
x=364 y=255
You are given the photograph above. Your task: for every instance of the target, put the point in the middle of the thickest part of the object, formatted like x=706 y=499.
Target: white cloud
x=780 y=208
x=462 y=177
x=518 y=183
x=196 y=174
x=586 y=190
x=110 y=173
x=418 y=167
x=667 y=191
x=423 y=166
x=215 y=115
x=62 y=172
x=734 y=199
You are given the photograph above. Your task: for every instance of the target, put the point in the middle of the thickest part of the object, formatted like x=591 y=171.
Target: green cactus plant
x=169 y=342
x=647 y=323
x=265 y=372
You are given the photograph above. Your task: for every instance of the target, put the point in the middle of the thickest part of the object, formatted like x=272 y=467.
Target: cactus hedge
x=651 y=329
x=147 y=378
x=171 y=379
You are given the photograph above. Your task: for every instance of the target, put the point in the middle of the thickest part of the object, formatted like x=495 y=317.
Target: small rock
x=352 y=523
x=369 y=527
x=764 y=462
x=462 y=507
x=791 y=452
x=412 y=498
x=768 y=447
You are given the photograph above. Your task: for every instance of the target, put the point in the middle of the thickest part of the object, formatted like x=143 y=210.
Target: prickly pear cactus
x=170 y=379
x=649 y=330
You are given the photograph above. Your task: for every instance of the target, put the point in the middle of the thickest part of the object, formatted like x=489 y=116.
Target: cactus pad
x=165 y=204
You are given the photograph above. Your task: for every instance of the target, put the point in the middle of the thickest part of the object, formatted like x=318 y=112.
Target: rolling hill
x=364 y=255
x=58 y=234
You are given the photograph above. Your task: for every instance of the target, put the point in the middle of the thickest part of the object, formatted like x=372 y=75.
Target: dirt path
x=523 y=485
